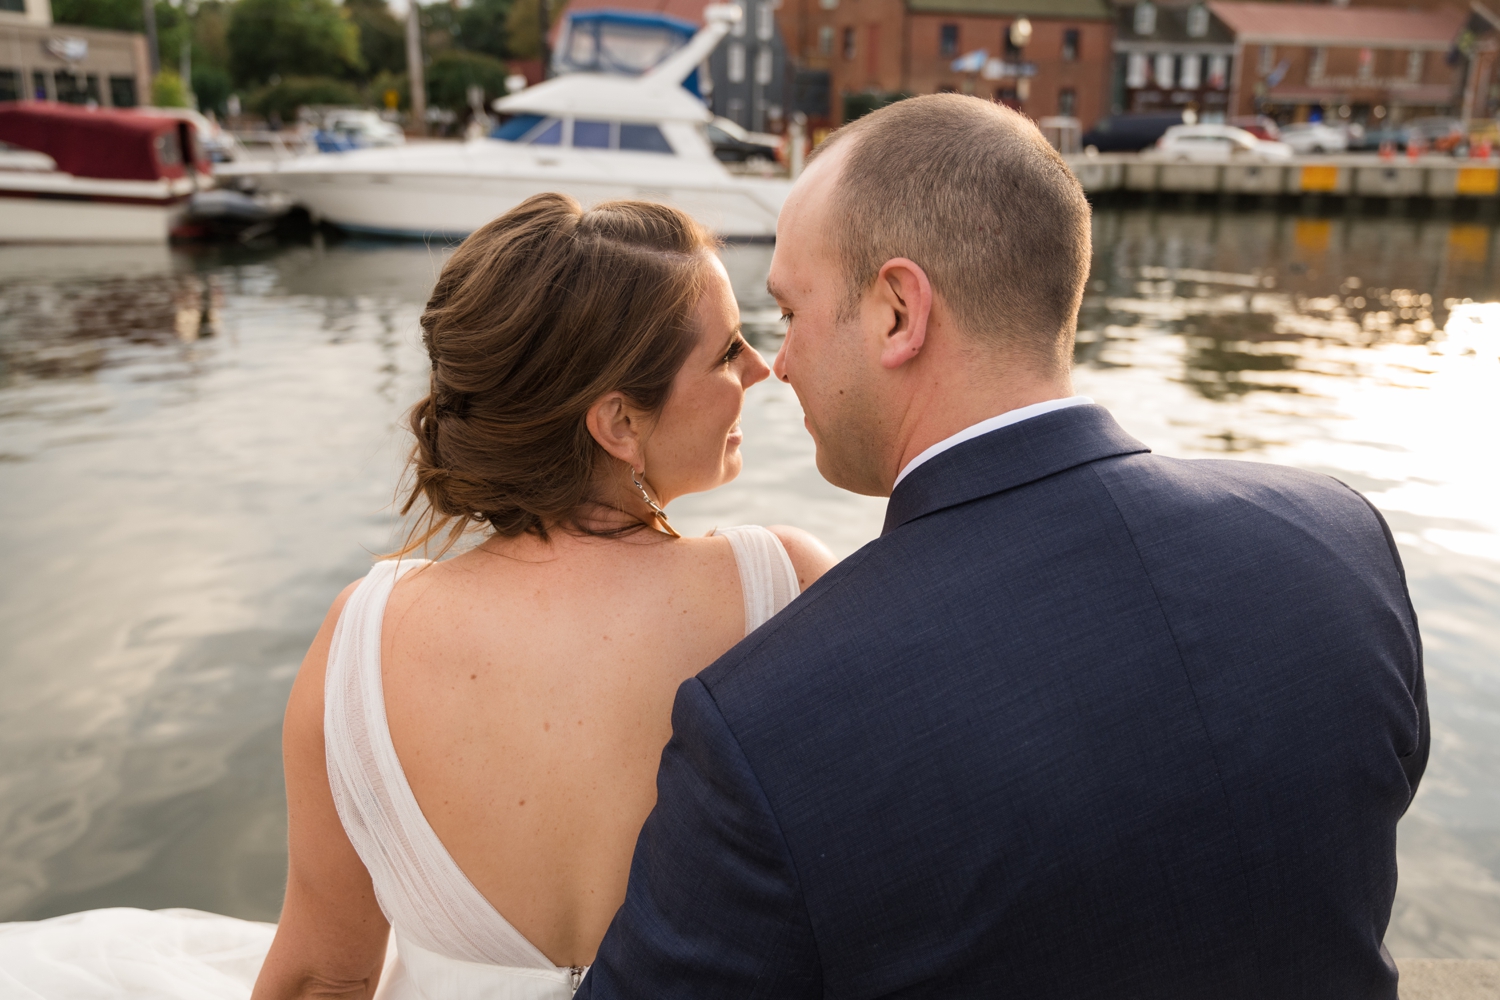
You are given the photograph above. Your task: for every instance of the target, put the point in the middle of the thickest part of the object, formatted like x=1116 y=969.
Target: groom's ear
x=906 y=295
x=618 y=427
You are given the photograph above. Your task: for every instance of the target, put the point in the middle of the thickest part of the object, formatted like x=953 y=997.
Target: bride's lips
x=736 y=436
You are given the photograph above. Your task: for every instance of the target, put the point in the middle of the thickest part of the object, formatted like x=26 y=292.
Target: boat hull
x=51 y=207
x=449 y=198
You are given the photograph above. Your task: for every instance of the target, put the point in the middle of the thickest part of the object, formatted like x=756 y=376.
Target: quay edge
x=1429 y=178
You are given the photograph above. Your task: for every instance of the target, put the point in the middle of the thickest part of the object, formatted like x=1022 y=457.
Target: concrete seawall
x=1350 y=176
x=1448 y=979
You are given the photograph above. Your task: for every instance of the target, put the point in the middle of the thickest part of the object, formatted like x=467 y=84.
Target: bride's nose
x=756 y=370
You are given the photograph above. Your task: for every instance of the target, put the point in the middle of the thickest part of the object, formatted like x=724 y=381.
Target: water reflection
x=202 y=447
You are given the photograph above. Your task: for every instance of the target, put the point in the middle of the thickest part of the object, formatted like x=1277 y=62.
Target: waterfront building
x=1172 y=57
x=1043 y=57
x=1368 y=64
x=46 y=62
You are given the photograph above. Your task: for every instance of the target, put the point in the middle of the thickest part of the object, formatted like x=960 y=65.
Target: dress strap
x=767 y=576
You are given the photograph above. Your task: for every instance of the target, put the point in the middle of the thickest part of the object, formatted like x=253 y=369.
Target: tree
x=167 y=90
x=291 y=38
x=284 y=97
x=452 y=73
x=482 y=27
x=523 y=26
x=382 y=38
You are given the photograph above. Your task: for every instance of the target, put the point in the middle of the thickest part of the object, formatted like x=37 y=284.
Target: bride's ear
x=619 y=428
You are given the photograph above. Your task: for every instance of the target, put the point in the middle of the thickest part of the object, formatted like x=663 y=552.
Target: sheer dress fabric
x=447 y=939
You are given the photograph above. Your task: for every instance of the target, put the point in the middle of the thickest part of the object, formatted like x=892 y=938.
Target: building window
x=1067 y=102
x=41 y=88
x=1318 y=66
x=122 y=91
x=1415 y=62
x=1145 y=18
x=765 y=22
x=763 y=65
x=738 y=28
x=1197 y=21
x=825 y=40
x=1188 y=77
x=1366 y=64
x=1011 y=49
x=1136 y=70
x=19 y=6
x=1070 y=45
x=948 y=40
x=1218 y=72
x=1267 y=59
x=736 y=63
x=1165 y=64
x=849 y=43
x=10 y=85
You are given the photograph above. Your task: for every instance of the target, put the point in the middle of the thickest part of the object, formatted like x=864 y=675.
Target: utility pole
x=416 y=75
x=148 y=11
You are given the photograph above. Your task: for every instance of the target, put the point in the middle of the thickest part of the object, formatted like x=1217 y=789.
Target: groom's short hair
x=972 y=193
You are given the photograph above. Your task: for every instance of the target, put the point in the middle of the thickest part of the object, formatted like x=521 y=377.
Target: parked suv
x=1129 y=133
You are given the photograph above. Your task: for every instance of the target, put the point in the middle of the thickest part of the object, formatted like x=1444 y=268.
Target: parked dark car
x=733 y=144
x=1129 y=133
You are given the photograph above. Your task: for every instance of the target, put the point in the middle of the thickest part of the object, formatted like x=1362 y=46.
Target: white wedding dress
x=446 y=939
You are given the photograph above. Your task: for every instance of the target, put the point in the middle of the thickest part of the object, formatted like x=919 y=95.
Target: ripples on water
x=198 y=449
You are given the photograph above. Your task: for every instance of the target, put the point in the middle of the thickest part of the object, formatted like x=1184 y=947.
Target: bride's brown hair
x=534 y=318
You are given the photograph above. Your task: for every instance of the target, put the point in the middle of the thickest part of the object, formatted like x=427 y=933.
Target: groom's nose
x=779 y=365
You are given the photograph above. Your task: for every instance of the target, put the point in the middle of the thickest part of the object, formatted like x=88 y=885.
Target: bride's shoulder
x=810 y=557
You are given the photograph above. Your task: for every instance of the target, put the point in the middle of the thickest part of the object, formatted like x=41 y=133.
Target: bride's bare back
x=529 y=689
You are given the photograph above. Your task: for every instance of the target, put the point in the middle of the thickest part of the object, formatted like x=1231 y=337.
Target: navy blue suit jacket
x=1083 y=722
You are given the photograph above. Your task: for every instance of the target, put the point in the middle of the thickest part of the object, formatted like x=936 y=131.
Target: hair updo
x=534 y=317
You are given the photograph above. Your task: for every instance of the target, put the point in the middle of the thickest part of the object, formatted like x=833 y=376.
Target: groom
x=1083 y=722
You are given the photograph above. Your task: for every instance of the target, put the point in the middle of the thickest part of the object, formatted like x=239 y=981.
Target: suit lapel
x=1009 y=457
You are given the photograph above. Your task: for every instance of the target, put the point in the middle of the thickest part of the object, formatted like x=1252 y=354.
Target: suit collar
x=1011 y=456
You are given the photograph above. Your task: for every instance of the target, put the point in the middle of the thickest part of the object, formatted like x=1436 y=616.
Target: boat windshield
x=515 y=129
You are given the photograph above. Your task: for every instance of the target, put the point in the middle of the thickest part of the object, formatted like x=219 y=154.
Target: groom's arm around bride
x=1083 y=722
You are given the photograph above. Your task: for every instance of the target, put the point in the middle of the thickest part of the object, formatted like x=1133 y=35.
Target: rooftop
x=1055 y=10
x=1319 y=24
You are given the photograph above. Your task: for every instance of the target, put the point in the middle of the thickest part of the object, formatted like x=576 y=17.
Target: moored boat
x=595 y=136
x=77 y=175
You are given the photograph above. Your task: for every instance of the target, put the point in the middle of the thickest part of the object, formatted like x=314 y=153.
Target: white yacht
x=594 y=136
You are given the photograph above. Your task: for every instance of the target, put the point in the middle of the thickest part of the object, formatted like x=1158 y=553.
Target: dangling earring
x=661 y=515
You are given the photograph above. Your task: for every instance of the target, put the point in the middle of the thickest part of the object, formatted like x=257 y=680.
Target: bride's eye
x=735 y=350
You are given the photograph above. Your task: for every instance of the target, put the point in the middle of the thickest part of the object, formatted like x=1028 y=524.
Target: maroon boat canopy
x=102 y=143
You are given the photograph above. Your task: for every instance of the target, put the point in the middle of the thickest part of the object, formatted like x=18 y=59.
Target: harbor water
x=200 y=447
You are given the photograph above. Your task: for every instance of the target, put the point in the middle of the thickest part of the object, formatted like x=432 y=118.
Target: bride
x=471 y=744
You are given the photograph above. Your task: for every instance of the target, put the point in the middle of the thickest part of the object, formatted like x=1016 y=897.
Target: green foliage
x=451 y=73
x=167 y=90
x=121 y=15
x=211 y=35
x=382 y=38
x=287 y=95
x=523 y=26
x=286 y=38
x=384 y=82
x=212 y=87
x=482 y=27
x=859 y=105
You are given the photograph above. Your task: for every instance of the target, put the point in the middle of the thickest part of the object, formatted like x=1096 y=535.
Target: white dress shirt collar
x=992 y=424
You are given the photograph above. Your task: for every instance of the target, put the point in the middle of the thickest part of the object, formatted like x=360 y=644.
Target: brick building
x=1043 y=57
x=1172 y=57
x=1379 y=63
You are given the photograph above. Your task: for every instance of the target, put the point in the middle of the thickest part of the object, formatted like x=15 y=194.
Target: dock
x=1352 y=179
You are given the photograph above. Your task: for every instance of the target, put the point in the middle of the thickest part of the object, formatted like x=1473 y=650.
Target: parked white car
x=364 y=129
x=1217 y=144
x=1315 y=137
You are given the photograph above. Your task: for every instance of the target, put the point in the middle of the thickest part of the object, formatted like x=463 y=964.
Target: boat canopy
x=620 y=41
x=103 y=143
x=656 y=95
